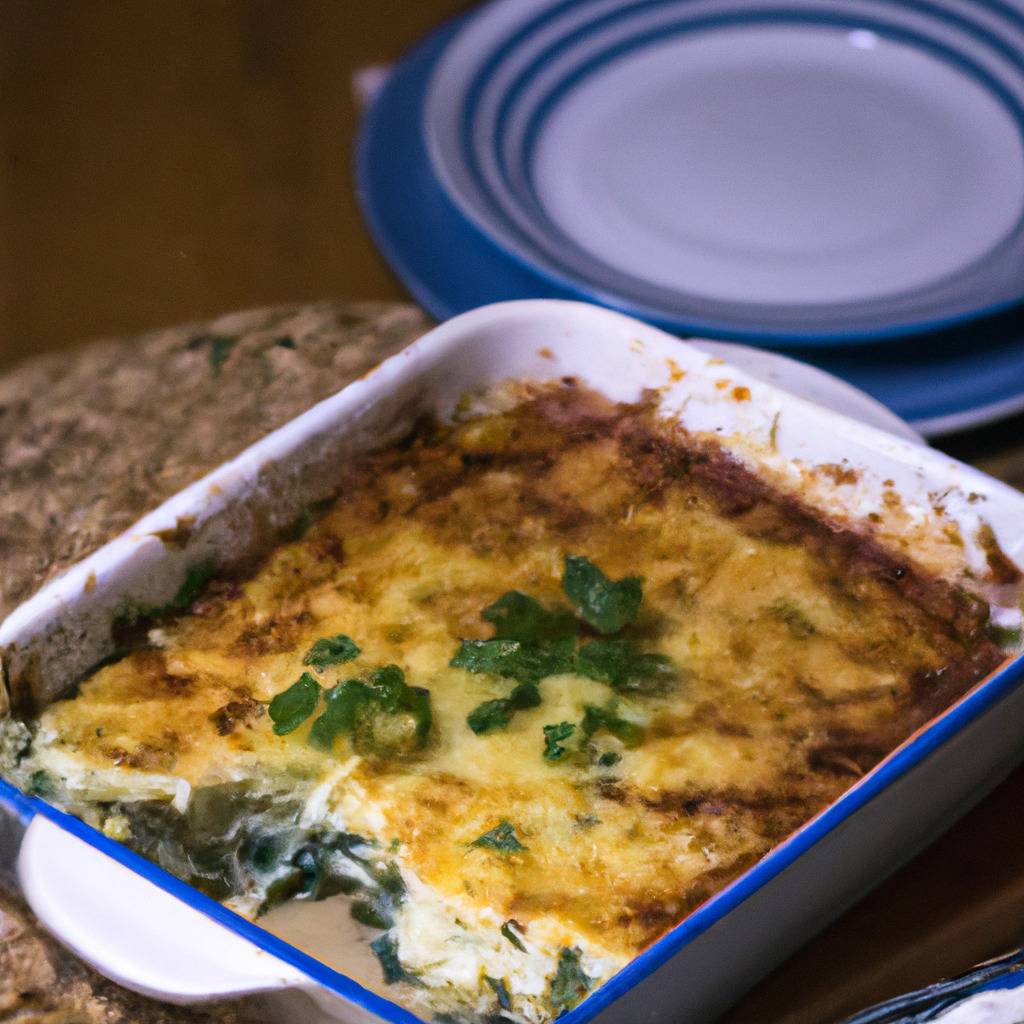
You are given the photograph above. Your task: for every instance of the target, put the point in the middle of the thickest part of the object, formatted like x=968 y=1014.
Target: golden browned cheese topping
x=800 y=654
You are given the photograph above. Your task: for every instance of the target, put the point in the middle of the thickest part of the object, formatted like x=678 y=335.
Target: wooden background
x=167 y=160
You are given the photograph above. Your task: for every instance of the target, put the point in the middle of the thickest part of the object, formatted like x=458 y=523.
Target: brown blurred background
x=164 y=161
x=167 y=160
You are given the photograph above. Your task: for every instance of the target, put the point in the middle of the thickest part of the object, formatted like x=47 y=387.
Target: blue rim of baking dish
x=983 y=697
x=893 y=325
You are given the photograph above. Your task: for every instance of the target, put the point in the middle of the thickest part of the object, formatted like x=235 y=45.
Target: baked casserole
x=533 y=686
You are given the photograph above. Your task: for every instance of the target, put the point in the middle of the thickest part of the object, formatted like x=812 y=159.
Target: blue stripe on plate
x=890 y=318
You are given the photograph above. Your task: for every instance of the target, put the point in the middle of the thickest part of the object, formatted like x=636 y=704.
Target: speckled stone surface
x=92 y=439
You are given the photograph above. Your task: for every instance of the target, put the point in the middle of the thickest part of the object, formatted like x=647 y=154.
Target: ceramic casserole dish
x=152 y=932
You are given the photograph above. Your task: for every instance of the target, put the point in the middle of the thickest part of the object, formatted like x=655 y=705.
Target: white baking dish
x=183 y=946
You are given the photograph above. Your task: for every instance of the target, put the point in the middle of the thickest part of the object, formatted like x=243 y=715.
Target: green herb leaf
x=387 y=685
x=385 y=947
x=570 y=984
x=606 y=718
x=333 y=650
x=496 y=714
x=1005 y=636
x=386 y=731
x=220 y=348
x=517 y=616
x=622 y=665
x=501 y=838
x=288 y=710
x=501 y=991
x=553 y=735
x=606 y=604
x=609 y=758
x=799 y=625
x=196 y=578
x=338 y=716
x=506 y=930
x=41 y=784
x=385 y=716
x=515 y=659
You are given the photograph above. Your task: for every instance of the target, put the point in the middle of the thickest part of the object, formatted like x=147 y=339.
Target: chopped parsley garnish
x=622 y=665
x=518 y=616
x=553 y=736
x=386 y=950
x=497 y=713
x=506 y=930
x=799 y=625
x=606 y=604
x=501 y=838
x=570 y=984
x=384 y=715
x=607 y=719
x=516 y=659
x=501 y=991
x=289 y=709
x=332 y=650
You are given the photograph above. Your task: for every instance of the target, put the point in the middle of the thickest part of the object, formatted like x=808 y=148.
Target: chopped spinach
x=288 y=710
x=41 y=784
x=606 y=718
x=332 y=650
x=506 y=930
x=622 y=665
x=517 y=616
x=605 y=604
x=497 y=713
x=386 y=949
x=368 y=912
x=553 y=736
x=570 y=984
x=516 y=659
x=501 y=991
x=501 y=838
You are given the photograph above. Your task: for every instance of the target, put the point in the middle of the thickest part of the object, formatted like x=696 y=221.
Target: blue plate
x=939 y=384
x=790 y=171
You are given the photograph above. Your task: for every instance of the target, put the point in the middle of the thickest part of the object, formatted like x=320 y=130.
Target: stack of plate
x=844 y=182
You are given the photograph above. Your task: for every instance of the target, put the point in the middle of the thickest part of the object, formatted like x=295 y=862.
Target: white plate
x=805 y=169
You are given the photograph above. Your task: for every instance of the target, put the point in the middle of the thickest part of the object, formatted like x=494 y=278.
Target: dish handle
x=133 y=932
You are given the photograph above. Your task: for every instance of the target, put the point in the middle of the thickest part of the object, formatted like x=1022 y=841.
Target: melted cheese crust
x=804 y=654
